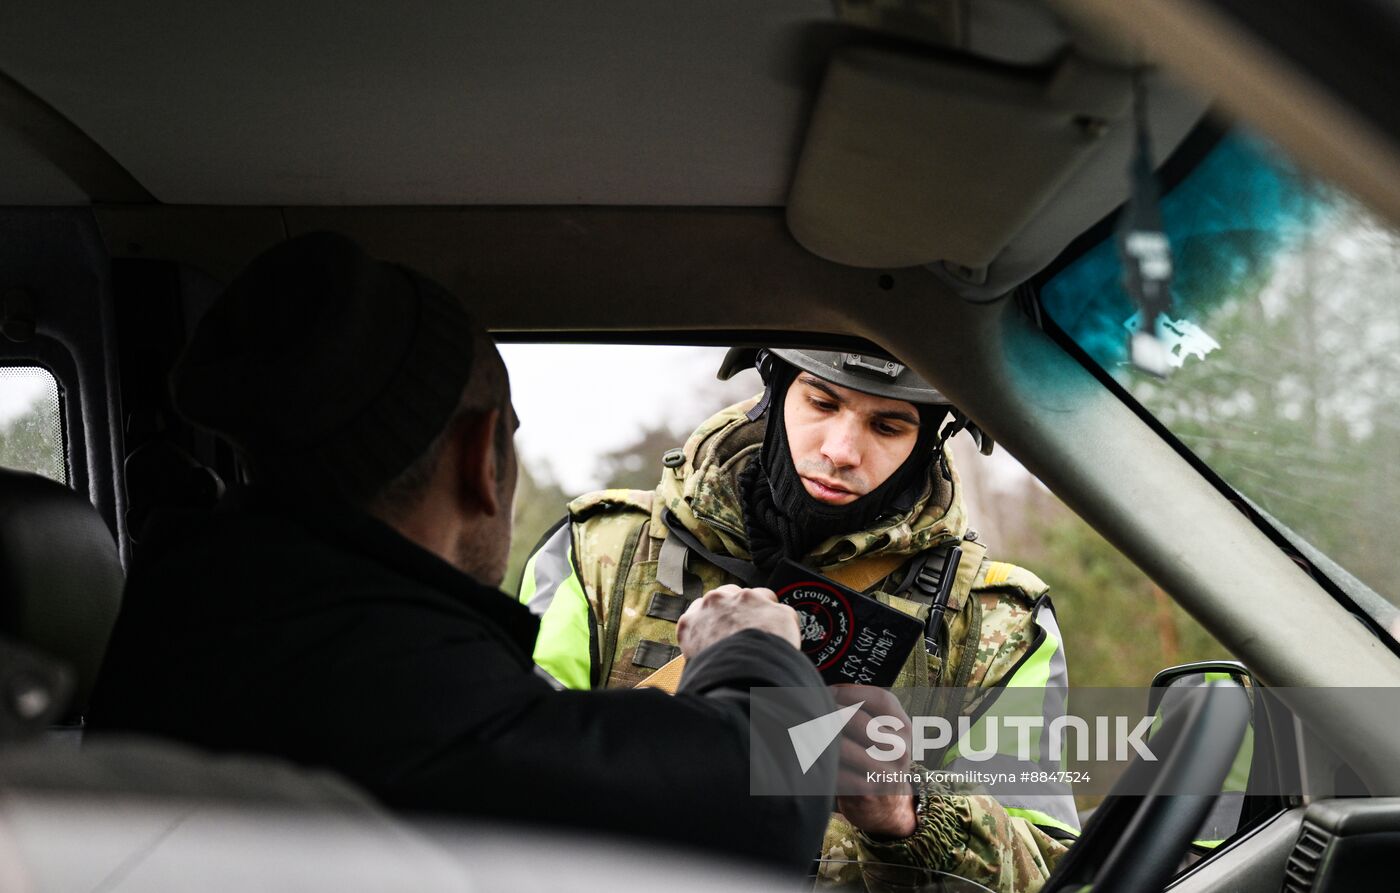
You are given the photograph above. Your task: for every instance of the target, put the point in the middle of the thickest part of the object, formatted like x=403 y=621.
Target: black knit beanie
x=330 y=370
x=783 y=521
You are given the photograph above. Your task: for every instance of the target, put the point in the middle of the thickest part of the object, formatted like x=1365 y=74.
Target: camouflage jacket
x=606 y=621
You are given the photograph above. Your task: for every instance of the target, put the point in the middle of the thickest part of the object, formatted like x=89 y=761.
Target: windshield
x=1285 y=338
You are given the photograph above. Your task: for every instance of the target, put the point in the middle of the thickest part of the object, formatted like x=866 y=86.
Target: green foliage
x=1119 y=627
x=33 y=441
x=1300 y=407
x=539 y=504
x=637 y=465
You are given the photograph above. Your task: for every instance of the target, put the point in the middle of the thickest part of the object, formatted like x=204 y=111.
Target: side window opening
x=608 y=421
x=31 y=422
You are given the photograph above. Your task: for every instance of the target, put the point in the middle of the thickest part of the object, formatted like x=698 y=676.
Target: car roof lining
x=56 y=161
x=486 y=103
x=240 y=96
x=497 y=102
x=536 y=104
x=551 y=269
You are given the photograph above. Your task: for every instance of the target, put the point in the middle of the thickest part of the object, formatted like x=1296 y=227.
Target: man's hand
x=880 y=809
x=722 y=612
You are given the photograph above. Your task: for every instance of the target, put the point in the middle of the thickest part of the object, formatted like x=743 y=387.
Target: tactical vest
x=995 y=628
x=611 y=580
x=637 y=619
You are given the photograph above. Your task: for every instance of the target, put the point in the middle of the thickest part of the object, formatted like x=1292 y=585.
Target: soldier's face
x=844 y=443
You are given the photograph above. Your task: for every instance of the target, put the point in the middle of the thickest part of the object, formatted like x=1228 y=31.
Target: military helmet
x=868 y=373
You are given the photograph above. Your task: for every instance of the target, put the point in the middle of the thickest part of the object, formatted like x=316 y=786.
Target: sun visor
x=914 y=161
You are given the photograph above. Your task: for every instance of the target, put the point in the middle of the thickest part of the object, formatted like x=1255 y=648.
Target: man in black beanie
x=342 y=612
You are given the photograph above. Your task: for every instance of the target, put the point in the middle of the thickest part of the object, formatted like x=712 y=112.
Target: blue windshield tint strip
x=1226 y=222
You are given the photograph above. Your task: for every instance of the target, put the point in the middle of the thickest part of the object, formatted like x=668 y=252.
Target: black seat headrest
x=163 y=475
x=60 y=577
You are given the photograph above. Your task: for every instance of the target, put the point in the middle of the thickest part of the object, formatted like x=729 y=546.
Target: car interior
x=901 y=177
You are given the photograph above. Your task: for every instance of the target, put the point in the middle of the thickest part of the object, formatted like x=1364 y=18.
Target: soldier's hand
x=722 y=612
x=877 y=807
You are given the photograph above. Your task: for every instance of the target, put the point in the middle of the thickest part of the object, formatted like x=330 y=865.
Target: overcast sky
x=19 y=388
x=577 y=402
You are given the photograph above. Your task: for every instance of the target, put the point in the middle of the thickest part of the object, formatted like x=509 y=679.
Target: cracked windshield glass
x=1284 y=353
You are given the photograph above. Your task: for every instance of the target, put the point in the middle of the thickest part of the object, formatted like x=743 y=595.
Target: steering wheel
x=1133 y=843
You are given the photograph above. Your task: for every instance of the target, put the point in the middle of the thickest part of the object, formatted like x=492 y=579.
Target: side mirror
x=1194 y=675
x=1256 y=765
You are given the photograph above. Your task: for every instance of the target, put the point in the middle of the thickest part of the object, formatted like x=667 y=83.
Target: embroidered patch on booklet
x=847 y=636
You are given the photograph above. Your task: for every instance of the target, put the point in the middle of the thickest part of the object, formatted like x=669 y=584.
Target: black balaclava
x=784 y=521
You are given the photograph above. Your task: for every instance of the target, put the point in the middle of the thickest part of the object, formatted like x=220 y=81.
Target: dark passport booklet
x=848 y=636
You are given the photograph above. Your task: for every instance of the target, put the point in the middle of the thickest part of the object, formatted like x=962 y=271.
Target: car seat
x=60 y=583
x=162 y=475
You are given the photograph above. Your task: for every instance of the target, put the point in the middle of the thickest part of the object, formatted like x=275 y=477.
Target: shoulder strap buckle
x=735 y=567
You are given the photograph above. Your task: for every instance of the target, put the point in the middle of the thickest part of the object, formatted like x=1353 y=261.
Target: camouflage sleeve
x=973 y=836
x=969 y=836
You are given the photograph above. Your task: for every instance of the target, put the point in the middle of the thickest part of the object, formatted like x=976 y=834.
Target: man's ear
x=478 y=459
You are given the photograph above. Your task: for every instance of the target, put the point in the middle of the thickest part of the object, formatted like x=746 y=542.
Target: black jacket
x=327 y=638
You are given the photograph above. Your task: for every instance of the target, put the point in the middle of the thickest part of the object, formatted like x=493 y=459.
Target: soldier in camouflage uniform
x=611 y=580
